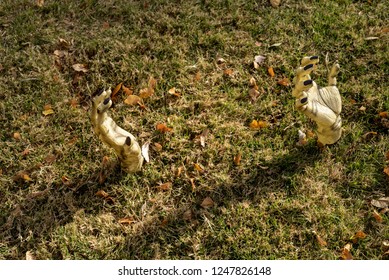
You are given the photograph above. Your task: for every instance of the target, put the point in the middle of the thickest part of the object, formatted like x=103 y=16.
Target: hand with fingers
x=322 y=105
x=124 y=143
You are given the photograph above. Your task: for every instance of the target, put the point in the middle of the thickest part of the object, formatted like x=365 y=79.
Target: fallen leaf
x=198 y=167
x=116 y=90
x=302 y=138
x=178 y=171
x=173 y=91
x=102 y=193
x=61 y=53
x=73 y=103
x=40 y=3
x=284 y=82
x=346 y=255
x=152 y=82
x=30 y=256
x=386 y=170
x=26 y=152
x=228 y=72
x=258 y=124
x=275 y=3
x=362 y=108
x=106 y=25
x=207 y=203
x=145 y=151
x=385 y=30
x=258 y=44
x=127 y=91
x=220 y=60
x=16 y=136
x=187 y=216
x=237 y=159
x=157 y=147
x=259 y=59
x=320 y=240
x=164 y=222
x=126 y=221
x=26 y=177
x=382 y=202
x=165 y=187
x=133 y=100
x=65 y=180
x=270 y=70
x=80 y=67
x=192 y=183
x=253 y=83
x=275 y=45
x=358 y=236
x=49 y=159
x=197 y=77
x=377 y=217
x=202 y=140
x=254 y=94
x=387 y=155
x=146 y=92
x=161 y=127
x=384 y=115
x=48 y=112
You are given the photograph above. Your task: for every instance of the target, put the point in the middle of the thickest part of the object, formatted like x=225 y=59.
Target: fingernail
x=128 y=141
x=309 y=66
x=304 y=100
x=314 y=57
x=307 y=82
x=106 y=101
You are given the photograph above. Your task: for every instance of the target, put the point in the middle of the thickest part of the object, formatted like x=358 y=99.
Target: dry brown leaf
x=49 y=159
x=358 y=236
x=65 y=180
x=284 y=82
x=116 y=90
x=30 y=256
x=270 y=70
x=106 y=25
x=146 y=92
x=165 y=186
x=192 y=183
x=152 y=82
x=258 y=124
x=377 y=217
x=178 y=171
x=133 y=100
x=382 y=202
x=60 y=53
x=253 y=83
x=362 y=108
x=73 y=102
x=40 y=3
x=275 y=3
x=386 y=170
x=346 y=255
x=26 y=177
x=187 y=216
x=16 y=136
x=207 y=203
x=198 y=167
x=387 y=155
x=78 y=67
x=127 y=91
x=158 y=147
x=319 y=239
x=102 y=193
x=228 y=72
x=26 y=152
x=254 y=94
x=237 y=159
x=197 y=76
x=48 y=112
x=126 y=221
x=384 y=115
x=161 y=127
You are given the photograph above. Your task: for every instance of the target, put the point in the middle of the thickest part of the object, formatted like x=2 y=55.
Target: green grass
x=265 y=208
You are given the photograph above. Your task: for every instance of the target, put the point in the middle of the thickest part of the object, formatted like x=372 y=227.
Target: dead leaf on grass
x=387 y=155
x=382 y=202
x=174 y=92
x=47 y=110
x=105 y=25
x=198 y=167
x=126 y=221
x=145 y=151
x=78 y=67
x=377 y=217
x=26 y=152
x=133 y=100
x=302 y=138
x=320 y=240
x=358 y=236
x=386 y=170
x=237 y=159
x=40 y=3
x=346 y=254
x=178 y=171
x=384 y=115
x=161 y=127
x=192 y=183
x=127 y=91
x=284 y=82
x=275 y=3
x=116 y=90
x=102 y=193
x=207 y=203
x=258 y=60
x=197 y=77
x=228 y=72
x=16 y=136
x=270 y=70
x=158 y=147
x=73 y=102
x=258 y=124
x=165 y=186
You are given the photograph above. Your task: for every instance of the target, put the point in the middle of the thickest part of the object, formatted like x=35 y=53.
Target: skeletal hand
x=322 y=105
x=124 y=143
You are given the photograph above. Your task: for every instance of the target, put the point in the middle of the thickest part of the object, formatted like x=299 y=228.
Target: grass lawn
x=214 y=188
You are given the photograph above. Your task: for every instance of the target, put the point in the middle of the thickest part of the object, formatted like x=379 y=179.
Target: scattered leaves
x=26 y=177
x=346 y=255
x=358 y=236
x=207 y=203
x=258 y=60
x=116 y=90
x=270 y=70
x=127 y=91
x=382 y=202
x=275 y=3
x=161 y=127
x=198 y=167
x=237 y=159
x=126 y=221
x=258 y=124
x=133 y=100
x=149 y=91
x=377 y=217
x=158 y=147
x=165 y=186
x=253 y=91
x=78 y=67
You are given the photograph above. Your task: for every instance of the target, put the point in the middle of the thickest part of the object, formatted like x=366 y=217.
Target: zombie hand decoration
x=322 y=105
x=124 y=143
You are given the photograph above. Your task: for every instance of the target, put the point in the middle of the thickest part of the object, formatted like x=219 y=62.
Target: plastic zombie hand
x=124 y=143
x=322 y=105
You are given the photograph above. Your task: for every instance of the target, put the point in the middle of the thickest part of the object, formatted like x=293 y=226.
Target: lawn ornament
x=124 y=143
x=322 y=105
